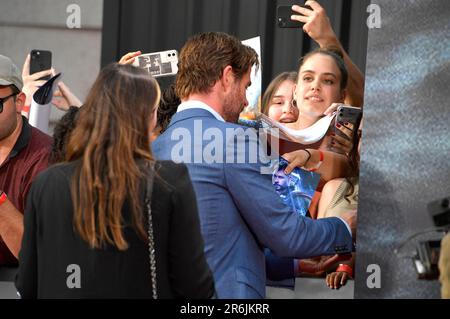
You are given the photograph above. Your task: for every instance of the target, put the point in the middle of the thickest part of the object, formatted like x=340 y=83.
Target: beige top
x=339 y=204
x=444 y=267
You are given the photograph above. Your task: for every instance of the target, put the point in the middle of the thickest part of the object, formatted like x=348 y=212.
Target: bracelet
x=3 y=197
x=315 y=168
x=309 y=156
x=345 y=268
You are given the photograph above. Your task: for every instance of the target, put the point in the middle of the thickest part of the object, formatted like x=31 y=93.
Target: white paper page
x=254 y=90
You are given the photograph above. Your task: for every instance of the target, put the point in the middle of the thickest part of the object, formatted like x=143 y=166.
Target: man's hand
x=318 y=266
x=63 y=98
x=316 y=23
x=31 y=83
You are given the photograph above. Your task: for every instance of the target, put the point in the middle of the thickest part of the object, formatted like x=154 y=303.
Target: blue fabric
x=280 y=271
x=240 y=212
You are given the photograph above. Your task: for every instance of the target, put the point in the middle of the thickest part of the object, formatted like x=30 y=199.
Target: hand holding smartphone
x=284 y=14
x=346 y=124
x=40 y=60
x=158 y=64
x=348 y=114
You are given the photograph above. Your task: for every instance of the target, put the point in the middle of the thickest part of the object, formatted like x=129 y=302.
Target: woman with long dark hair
x=95 y=225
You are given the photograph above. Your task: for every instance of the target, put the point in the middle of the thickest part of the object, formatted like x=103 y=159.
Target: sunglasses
x=4 y=99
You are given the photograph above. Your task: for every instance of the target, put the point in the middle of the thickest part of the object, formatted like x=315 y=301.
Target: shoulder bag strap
x=151 y=241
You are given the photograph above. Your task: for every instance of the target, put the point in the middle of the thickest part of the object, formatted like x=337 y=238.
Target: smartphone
x=164 y=63
x=40 y=60
x=284 y=17
x=347 y=114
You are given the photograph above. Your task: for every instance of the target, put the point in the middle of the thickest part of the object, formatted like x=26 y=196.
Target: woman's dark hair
x=354 y=159
x=111 y=143
x=338 y=58
x=273 y=86
x=61 y=135
x=167 y=107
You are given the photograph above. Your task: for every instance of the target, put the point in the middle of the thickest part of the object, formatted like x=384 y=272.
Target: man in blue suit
x=240 y=211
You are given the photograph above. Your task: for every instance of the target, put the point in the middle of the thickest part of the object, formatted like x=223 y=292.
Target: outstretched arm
x=317 y=25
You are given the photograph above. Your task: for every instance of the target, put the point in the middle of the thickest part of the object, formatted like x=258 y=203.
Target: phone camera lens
x=281 y=22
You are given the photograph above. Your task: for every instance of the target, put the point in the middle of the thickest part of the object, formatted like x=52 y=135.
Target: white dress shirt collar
x=194 y=104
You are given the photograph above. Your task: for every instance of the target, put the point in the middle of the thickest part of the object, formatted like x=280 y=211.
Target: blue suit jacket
x=240 y=212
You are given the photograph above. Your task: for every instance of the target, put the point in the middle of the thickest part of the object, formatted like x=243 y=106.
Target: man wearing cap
x=24 y=153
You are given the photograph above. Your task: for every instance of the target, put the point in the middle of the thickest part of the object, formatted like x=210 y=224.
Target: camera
x=427 y=254
x=427 y=258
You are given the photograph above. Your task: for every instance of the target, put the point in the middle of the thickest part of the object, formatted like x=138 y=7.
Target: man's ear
x=20 y=102
x=228 y=77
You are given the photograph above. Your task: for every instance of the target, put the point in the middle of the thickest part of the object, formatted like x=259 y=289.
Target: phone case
x=284 y=18
x=348 y=114
x=164 y=63
x=40 y=60
x=284 y=14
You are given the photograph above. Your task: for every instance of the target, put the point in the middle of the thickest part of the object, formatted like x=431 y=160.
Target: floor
x=305 y=288
x=311 y=288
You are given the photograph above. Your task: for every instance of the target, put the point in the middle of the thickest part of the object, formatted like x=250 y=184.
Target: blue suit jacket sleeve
x=274 y=224
x=278 y=268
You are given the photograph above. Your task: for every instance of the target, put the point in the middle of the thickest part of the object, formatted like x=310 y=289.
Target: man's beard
x=5 y=132
x=230 y=110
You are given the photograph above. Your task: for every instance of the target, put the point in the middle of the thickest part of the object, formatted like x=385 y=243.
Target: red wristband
x=3 y=198
x=345 y=268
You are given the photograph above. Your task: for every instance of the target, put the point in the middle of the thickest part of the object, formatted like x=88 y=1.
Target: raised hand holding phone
x=316 y=22
x=284 y=17
x=164 y=63
x=129 y=57
x=33 y=81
